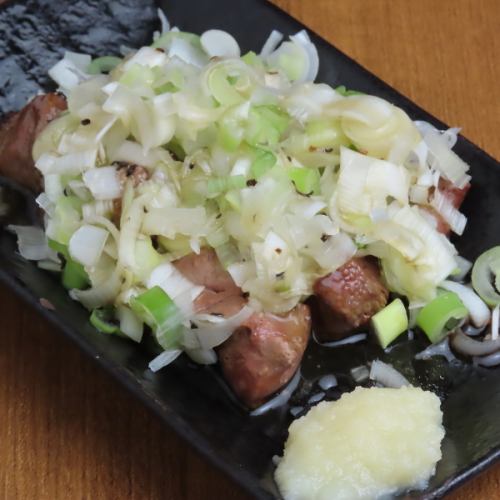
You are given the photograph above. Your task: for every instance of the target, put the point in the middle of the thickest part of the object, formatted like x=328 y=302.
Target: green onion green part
x=341 y=89
x=74 y=276
x=325 y=133
x=103 y=65
x=160 y=313
x=390 y=322
x=266 y=124
x=306 y=180
x=165 y=40
x=168 y=87
x=66 y=218
x=252 y=59
x=233 y=198
x=230 y=134
x=174 y=147
x=441 y=315
x=101 y=319
x=221 y=89
x=262 y=163
x=219 y=185
x=59 y=248
x=137 y=75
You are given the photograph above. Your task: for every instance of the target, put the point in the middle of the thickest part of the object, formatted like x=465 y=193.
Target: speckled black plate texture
x=195 y=400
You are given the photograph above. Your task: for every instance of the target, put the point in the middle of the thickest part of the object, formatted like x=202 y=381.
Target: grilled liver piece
x=18 y=132
x=221 y=294
x=264 y=352
x=347 y=298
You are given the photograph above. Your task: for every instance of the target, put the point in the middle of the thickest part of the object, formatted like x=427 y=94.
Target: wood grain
x=69 y=432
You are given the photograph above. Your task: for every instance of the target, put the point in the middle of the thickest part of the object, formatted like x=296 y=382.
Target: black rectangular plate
x=194 y=400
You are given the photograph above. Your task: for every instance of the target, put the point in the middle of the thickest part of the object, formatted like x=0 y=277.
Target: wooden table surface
x=67 y=431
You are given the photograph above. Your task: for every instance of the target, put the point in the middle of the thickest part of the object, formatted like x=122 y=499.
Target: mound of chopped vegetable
x=187 y=144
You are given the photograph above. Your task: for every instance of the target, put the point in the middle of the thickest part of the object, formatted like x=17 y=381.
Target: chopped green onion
x=278 y=118
x=221 y=89
x=194 y=190
x=130 y=325
x=230 y=134
x=217 y=238
x=263 y=162
x=59 y=248
x=227 y=254
x=252 y=59
x=234 y=199
x=281 y=287
x=266 y=124
x=291 y=60
x=487 y=267
x=174 y=147
x=175 y=78
x=137 y=75
x=102 y=320
x=222 y=204
x=231 y=127
x=103 y=65
x=325 y=133
x=168 y=87
x=159 y=312
x=219 y=185
x=165 y=40
x=66 y=219
x=441 y=315
x=146 y=257
x=341 y=89
x=306 y=180
x=390 y=322
x=179 y=246
x=74 y=276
